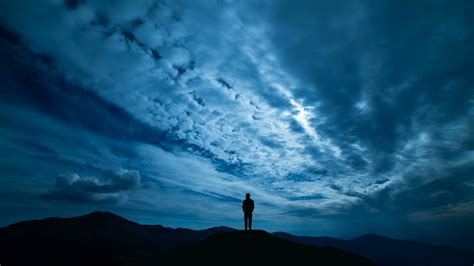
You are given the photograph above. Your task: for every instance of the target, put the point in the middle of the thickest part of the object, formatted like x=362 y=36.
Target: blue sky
x=339 y=117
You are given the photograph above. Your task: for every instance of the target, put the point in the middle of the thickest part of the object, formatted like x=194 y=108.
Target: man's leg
x=245 y=219
x=250 y=221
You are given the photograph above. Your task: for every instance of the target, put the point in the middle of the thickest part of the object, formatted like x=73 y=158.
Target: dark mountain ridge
x=95 y=237
x=106 y=238
x=389 y=251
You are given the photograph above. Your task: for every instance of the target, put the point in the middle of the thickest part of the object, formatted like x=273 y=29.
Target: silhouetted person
x=247 y=207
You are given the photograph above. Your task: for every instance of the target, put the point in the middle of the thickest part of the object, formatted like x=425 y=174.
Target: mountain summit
x=257 y=248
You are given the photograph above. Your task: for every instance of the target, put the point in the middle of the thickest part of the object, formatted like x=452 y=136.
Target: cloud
x=461 y=210
x=110 y=187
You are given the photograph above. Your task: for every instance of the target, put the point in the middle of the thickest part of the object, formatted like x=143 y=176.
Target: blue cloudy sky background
x=339 y=117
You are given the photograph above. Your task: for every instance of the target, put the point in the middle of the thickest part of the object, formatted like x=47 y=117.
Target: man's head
x=247 y=196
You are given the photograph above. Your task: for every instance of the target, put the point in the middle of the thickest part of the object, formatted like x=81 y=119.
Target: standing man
x=247 y=207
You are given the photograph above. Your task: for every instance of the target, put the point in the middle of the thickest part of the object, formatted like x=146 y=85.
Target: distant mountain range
x=105 y=238
x=389 y=251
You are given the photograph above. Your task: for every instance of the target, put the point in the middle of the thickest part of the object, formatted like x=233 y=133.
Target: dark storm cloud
x=110 y=187
x=371 y=88
x=381 y=74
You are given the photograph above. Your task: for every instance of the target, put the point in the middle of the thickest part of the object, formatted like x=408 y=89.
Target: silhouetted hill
x=387 y=251
x=98 y=237
x=257 y=248
x=95 y=237
x=105 y=238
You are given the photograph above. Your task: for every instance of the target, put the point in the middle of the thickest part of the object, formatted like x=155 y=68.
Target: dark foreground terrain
x=258 y=248
x=103 y=238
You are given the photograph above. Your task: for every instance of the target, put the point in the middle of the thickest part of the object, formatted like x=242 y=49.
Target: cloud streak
x=111 y=187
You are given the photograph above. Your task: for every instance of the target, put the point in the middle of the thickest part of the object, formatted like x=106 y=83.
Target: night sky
x=339 y=117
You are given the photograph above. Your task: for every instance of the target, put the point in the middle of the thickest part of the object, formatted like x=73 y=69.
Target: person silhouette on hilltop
x=247 y=207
